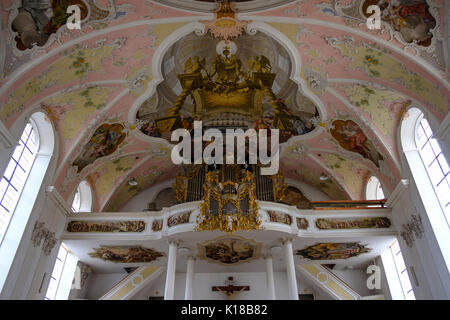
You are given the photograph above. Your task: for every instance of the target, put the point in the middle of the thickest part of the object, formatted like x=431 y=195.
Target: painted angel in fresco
x=409 y=17
x=103 y=142
x=351 y=137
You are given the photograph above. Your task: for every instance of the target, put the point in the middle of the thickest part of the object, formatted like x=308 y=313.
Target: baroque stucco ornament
x=41 y=233
x=225 y=25
x=413 y=229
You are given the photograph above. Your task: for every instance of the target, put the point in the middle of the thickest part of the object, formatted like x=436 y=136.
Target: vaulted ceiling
x=101 y=75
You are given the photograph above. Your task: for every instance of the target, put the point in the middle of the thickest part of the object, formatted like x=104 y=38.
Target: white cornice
x=58 y=201
x=399 y=190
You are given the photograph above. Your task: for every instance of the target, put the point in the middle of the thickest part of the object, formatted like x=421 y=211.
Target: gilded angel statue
x=227 y=66
x=259 y=64
x=194 y=65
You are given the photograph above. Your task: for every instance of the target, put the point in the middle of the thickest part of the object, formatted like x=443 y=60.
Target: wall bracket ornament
x=41 y=233
x=411 y=230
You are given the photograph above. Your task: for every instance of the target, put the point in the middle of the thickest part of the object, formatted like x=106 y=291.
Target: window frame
x=62 y=281
x=18 y=165
x=77 y=199
x=401 y=273
x=419 y=126
x=373 y=184
x=84 y=190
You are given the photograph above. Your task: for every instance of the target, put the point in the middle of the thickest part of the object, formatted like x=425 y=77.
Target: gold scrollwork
x=226 y=214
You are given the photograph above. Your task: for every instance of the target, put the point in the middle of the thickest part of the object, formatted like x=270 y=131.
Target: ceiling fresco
x=357 y=83
x=229 y=250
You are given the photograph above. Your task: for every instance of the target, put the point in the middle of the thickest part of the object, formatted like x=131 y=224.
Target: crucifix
x=231 y=290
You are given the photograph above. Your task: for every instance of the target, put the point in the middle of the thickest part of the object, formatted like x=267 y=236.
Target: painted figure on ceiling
x=38 y=19
x=333 y=251
x=126 y=254
x=103 y=142
x=351 y=137
x=409 y=17
x=229 y=251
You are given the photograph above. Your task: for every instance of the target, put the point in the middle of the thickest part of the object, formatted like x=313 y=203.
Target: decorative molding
x=279 y=217
x=412 y=230
x=207 y=7
x=135 y=281
x=157 y=225
x=349 y=223
x=49 y=243
x=126 y=254
x=179 y=218
x=106 y=226
x=58 y=201
x=40 y=232
x=302 y=223
x=328 y=281
x=396 y=195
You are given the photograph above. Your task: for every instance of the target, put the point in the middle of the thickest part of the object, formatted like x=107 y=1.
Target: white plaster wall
x=203 y=282
x=357 y=280
x=141 y=200
x=384 y=284
x=100 y=283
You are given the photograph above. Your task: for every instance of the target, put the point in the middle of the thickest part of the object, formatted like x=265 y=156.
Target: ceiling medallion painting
x=105 y=141
x=126 y=254
x=350 y=136
x=412 y=19
x=333 y=251
x=34 y=24
x=229 y=250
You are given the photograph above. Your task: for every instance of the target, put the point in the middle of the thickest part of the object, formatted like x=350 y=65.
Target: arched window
x=21 y=183
x=82 y=201
x=16 y=174
x=435 y=164
x=428 y=168
x=374 y=190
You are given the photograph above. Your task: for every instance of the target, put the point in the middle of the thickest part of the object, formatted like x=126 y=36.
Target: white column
x=270 y=282
x=290 y=269
x=171 y=267
x=189 y=278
